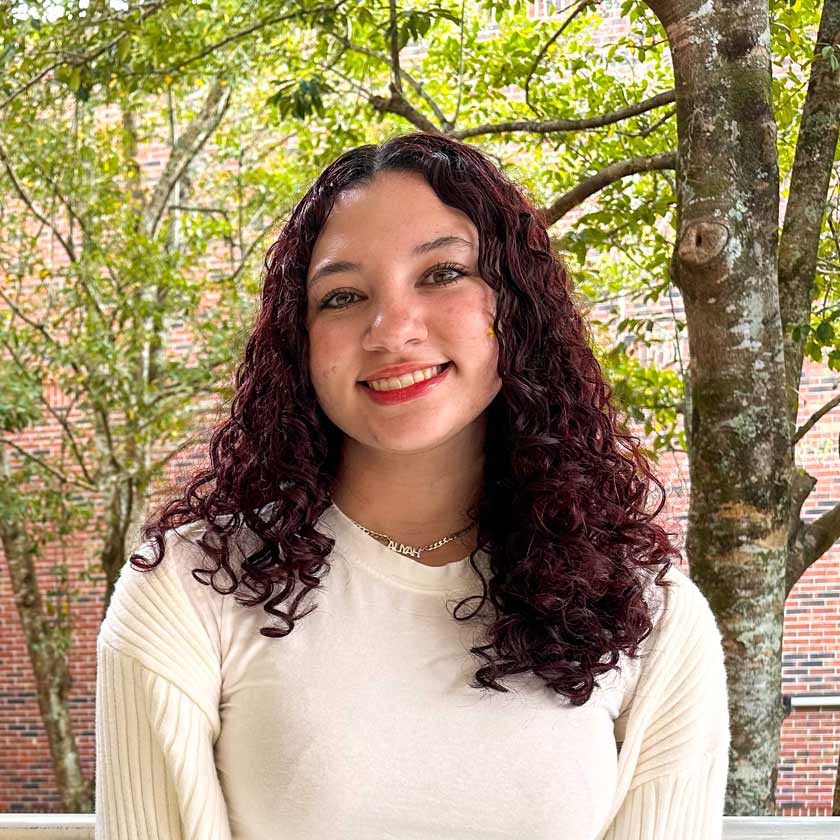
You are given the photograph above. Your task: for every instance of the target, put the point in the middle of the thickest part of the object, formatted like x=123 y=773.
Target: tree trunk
x=46 y=645
x=119 y=500
x=809 y=183
x=725 y=265
x=835 y=802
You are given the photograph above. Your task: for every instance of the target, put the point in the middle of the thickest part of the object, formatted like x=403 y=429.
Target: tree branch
x=190 y=208
x=51 y=409
x=814 y=419
x=98 y=410
x=188 y=146
x=243 y=258
x=812 y=542
x=71 y=438
x=158 y=465
x=608 y=175
x=404 y=74
x=36 y=325
x=244 y=33
x=824 y=532
x=67 y=479
x=555 y=126
x=399 y=105
x=58 y=194
x=395 y=48
x=809 y=184
x=109 y=451
x=30 y=83
x=645 y=132
x=580 y=8
x=88 y=237
x=450 y=124
x=40 y=327
x=24 y=197
x=146 y=11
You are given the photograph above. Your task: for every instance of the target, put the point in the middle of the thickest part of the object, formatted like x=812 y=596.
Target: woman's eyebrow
x=442 y=242
x=342 y=266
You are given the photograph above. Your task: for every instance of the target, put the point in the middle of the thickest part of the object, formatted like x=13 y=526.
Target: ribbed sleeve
x=688 y=805
x=157 y=694
x=677 y=740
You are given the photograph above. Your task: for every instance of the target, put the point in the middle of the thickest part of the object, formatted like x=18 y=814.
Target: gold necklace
x=409 y=550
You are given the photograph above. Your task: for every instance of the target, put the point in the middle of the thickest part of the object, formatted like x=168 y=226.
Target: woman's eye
x=450 y=269
x=327 y=302
x=446 y=269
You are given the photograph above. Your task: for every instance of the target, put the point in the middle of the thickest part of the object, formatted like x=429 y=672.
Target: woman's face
x=392 y=281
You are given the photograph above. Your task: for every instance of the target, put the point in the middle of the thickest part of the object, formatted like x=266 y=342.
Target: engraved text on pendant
x=403 y=549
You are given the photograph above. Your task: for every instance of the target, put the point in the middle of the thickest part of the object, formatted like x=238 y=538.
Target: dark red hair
x=562 y=511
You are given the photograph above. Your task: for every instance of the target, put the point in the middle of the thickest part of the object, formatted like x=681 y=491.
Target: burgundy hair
x=562 y=509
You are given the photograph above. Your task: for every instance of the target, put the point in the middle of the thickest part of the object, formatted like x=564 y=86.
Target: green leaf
x=825 y=332
x=8 y=53
x=123 y=49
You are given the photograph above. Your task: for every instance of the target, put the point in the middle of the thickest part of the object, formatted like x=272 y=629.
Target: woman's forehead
x=399 y=209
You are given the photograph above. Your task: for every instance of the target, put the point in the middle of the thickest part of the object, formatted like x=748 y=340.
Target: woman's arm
x=687 y=804
x=674 y=761
x=155 y=773
x=157 y=692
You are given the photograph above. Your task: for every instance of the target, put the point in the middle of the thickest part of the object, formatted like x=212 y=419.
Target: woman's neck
x=415 y=498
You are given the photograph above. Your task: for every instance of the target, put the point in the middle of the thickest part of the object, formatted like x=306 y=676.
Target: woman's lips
x=399 y=395
x=414 y=370
x=395 y=371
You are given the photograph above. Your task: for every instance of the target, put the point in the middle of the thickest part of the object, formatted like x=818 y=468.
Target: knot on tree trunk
x=702 y=242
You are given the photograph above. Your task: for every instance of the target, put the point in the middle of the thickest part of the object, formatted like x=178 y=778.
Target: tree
x=748 y=298
x=96 y=265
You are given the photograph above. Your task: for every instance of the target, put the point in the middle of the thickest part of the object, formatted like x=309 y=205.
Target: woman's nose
x=394 y=323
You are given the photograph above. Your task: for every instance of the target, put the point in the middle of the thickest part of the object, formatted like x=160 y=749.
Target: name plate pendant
x=404 y=549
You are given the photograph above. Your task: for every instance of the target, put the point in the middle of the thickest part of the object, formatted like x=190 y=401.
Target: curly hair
x=562 y=508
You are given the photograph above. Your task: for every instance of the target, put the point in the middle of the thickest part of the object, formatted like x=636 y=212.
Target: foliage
x=305 y=78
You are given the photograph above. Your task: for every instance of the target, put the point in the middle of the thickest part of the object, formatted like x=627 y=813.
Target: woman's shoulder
x=165 y=610
x=686 y=615
x=162 y=627
x=680 y=607
x=685 y=661
x=682 y=661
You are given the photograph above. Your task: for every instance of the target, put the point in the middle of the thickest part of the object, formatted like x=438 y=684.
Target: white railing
x=779 y=828
x=46 y=826
x=80 y=827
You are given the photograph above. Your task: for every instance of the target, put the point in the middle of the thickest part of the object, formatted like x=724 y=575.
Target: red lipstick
x=400 y=395
x=399 y=370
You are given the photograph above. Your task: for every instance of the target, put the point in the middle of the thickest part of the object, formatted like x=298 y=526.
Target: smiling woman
x=419 y=422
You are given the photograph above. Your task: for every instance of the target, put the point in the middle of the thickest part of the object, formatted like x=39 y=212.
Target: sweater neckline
x=364 y=550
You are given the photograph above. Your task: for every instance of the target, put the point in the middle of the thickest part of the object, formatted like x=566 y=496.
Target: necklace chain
x=409 y=550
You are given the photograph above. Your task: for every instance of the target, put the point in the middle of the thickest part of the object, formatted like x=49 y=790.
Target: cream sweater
x=360 y=724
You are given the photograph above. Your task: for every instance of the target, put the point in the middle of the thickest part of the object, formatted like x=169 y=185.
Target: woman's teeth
x=406 y=379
